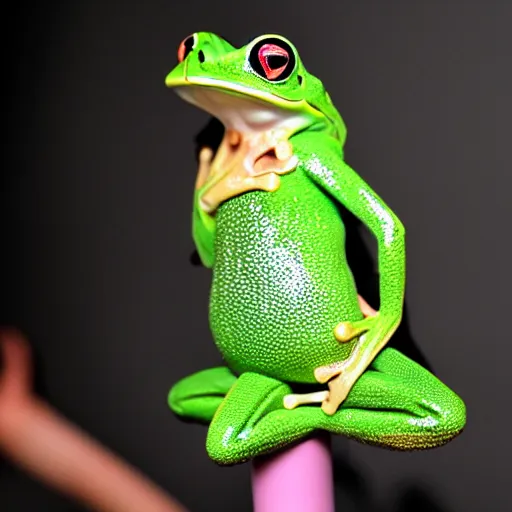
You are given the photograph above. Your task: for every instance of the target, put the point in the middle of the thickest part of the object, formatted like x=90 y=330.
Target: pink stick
x=297 y=479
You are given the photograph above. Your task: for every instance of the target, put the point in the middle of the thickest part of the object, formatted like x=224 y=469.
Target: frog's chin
x=244 y=113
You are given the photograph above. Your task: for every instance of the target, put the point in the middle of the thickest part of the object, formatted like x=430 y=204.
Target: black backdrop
x=95 y=207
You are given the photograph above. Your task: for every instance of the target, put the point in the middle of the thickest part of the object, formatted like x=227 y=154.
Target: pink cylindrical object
x=297 y=479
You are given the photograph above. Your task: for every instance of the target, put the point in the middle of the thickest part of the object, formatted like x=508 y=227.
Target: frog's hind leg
x=400 y=405
x=198 y=396
x=252 y=420
x=395 y=404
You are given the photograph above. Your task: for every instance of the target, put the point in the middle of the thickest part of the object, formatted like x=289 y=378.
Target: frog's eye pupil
x=277 y=61
x=272 y=59
x=186 y=46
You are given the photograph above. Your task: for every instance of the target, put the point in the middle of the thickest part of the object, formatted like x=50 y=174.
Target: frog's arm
x=203 y=233
x=203 y=224
x=325 y=165
x=326 y=168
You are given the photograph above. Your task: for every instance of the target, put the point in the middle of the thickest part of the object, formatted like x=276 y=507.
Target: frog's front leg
x=243 y=163
x=344 y=332
x=373 y=334
x=203 y=223
x=342 y=183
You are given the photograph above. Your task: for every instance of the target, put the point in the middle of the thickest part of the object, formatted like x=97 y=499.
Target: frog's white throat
x=242 y=113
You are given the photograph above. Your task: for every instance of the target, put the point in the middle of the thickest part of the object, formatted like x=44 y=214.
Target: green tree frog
x=284 y=312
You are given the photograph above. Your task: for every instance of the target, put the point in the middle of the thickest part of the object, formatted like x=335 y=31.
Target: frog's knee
x=227 y=446
x=439 y=419
x=451 y=414
x=223 y=450
x=444 y=419
x=240 y=429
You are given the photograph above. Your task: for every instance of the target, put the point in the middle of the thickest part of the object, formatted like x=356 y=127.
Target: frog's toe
x=347 y=331
x=293 y=401
x=198 y=396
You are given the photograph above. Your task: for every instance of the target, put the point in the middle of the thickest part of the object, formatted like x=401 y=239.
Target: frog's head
x=253 y=88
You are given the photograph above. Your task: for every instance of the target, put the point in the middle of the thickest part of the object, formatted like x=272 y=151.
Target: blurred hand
x=38 y=439
x=15 y=377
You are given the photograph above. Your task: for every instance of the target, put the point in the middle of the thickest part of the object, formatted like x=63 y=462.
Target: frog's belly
x=276 y=299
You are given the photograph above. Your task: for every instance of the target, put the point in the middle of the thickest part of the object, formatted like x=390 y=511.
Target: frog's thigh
x=399 y=404
x=198 y=396
x=252 y=421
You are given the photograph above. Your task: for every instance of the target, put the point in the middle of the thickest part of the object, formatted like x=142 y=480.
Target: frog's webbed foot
x=270 y=153
x=339 y=388
x=345 y=375
x=341 y=376
x=246 y=162
x=344 y=332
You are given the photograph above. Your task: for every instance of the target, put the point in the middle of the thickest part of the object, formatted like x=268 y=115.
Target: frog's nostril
x=201 y=56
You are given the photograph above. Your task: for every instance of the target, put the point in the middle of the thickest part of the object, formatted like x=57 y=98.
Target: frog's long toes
x=329 y=407
x=205 y=162
x=283 y=150
x=346 y=331
x=290 y=165
x=234 y=138
x=205 y=155
x=338 y=391
x=326 y=373
x=292 y=401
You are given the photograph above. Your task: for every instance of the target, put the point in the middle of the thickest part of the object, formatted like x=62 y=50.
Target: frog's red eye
x=186 y=46
x=273 y=59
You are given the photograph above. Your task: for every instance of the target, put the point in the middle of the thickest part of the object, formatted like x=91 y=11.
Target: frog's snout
x=186 y=47
x=193 y=47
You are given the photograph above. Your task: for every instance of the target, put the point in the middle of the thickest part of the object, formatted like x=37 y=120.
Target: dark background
x=96 y=191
